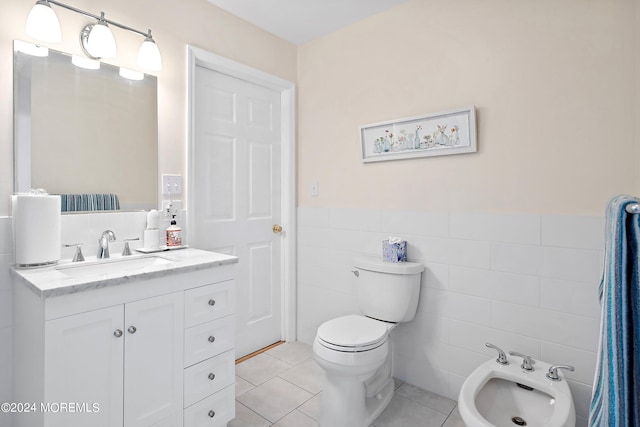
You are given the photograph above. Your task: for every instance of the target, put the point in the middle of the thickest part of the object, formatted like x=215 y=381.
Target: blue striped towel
x=89 y=202
x=615 y=401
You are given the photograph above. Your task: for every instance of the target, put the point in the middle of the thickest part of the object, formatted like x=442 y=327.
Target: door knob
x=277 y=228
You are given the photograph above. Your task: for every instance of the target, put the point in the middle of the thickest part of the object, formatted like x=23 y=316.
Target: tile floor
x=282 y=387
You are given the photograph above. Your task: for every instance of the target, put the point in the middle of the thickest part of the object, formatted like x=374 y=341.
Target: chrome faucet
x=103 y=243
x=502 y=358
x=527 y=361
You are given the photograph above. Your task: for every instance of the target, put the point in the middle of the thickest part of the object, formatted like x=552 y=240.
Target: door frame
x=200 y=57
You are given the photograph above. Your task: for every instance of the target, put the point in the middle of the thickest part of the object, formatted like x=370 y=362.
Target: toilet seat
x=353 y=333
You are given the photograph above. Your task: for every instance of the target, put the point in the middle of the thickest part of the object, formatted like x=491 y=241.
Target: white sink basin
x=122 y=266
x=497 y=395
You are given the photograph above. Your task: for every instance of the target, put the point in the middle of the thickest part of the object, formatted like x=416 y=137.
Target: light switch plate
x=171 y=184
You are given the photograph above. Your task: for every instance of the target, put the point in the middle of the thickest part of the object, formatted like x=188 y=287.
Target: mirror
x=80 y=131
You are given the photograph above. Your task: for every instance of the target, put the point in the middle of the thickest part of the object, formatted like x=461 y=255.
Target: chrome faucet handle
x=127 y=251
x=527 y=361
x=553 y=371
x=502 y=358
x=77 y=256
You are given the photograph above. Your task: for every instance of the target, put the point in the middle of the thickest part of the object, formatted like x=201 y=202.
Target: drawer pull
x=212 y=302
x=212 y=414
x=117 y=333
x=212 y=376
x=132 y=329
x=212 y=338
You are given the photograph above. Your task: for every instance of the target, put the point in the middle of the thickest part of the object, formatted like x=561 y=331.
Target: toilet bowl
x=497 y=395
x=354 y=350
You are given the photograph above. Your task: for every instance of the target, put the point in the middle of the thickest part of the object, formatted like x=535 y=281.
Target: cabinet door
x=154 y=330
x=83 y=366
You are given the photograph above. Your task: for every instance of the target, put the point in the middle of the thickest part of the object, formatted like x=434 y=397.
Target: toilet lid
x=353 y=331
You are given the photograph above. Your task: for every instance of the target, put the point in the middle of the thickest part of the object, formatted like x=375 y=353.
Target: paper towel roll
x=36 y=229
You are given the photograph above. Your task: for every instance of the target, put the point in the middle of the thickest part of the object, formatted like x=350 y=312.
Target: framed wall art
x=438 y=134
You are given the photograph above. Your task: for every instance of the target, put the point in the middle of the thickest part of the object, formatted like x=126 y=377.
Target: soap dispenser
x=174 y=234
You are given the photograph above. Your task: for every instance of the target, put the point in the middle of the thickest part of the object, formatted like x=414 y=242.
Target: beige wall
x=552 y=83
x=174 y=25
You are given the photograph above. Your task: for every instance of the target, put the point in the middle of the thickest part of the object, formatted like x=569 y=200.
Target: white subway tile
x=313 y=217
x=469 y=253
x=6 y=235
x=579 y=232
x=571 y=264
x=410 y=222
x=6 y=308
x=75 y=229
x=497 y=285
x=417 y=370
x=314 y=236
x=583 y=361
x=515 y=258
x=429 y=249
x=562 y=328
x=357 y=241
x=432 y=330
x=515 y=228
x=355 y=219
x=473 y=337
x=471 y=225
x=6 y=280
x=456 y=306
x=454 y=382
x=581 y=398
x=455 y=359
x=571 y=297
x=435 y=275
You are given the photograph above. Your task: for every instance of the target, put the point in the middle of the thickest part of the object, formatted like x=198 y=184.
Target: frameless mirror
x=80 y=131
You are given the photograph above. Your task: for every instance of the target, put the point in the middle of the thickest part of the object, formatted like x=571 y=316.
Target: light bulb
x=43 y=24
x=149 y=55
x=131 y=74
x=100 y=41
x=83 y=62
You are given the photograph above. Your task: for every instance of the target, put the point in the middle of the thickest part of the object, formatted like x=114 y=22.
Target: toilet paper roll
x=36 y=229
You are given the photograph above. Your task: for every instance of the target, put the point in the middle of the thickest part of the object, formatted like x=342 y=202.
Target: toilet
x=355 y=351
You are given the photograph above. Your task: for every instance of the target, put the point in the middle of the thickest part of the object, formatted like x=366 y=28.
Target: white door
x=83 y=364
x=236 y=195
x=153 y=361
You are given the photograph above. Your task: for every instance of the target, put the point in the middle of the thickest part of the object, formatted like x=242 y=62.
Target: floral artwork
x=435 y=134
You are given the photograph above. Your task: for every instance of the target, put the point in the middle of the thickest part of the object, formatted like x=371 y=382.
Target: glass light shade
x=43 y=24
x=149 y=56
x=131 y=74
x=83 y=62
x=100 y=42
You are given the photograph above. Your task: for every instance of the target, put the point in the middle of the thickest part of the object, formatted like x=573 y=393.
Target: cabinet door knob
x=132 y=329
x=212 y=338
x=212 y=376
x=117 y=333
x=212 y=414
x=212 y=302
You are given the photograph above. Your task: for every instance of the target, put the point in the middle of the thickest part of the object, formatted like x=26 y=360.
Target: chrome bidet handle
x=527 y=361
x=553 y=371
x=502 y=357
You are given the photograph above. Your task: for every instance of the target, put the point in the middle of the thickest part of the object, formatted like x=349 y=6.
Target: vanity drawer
x=208 y=377
x=207 y=303
x=209 y=339
x=214 y=411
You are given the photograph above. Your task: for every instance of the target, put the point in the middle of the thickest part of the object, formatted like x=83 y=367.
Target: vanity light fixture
x=87 y=63
x=131 y=74
x=96 y=39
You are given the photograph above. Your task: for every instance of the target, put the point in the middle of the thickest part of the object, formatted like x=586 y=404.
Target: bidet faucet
x=527 y=361
x=502 y=358
x=553 y=371
x=103 y=243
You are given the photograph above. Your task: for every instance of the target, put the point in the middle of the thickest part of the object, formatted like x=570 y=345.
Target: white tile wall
x=523 y=282
x=80 y=228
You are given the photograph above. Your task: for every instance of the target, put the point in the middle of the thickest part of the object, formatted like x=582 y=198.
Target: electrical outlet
x=171 y=184
x=170 y=208
x=314 y=189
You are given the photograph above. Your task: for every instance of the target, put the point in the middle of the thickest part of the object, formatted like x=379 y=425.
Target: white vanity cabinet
x=148 y=350
x=126 y=359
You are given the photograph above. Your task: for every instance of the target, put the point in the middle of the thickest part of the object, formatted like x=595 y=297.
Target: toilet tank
x=386 y=290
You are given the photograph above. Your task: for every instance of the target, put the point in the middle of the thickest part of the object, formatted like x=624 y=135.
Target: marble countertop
x=64 y=277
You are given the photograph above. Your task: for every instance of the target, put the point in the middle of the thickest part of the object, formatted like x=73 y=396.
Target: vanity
x=144 y=340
